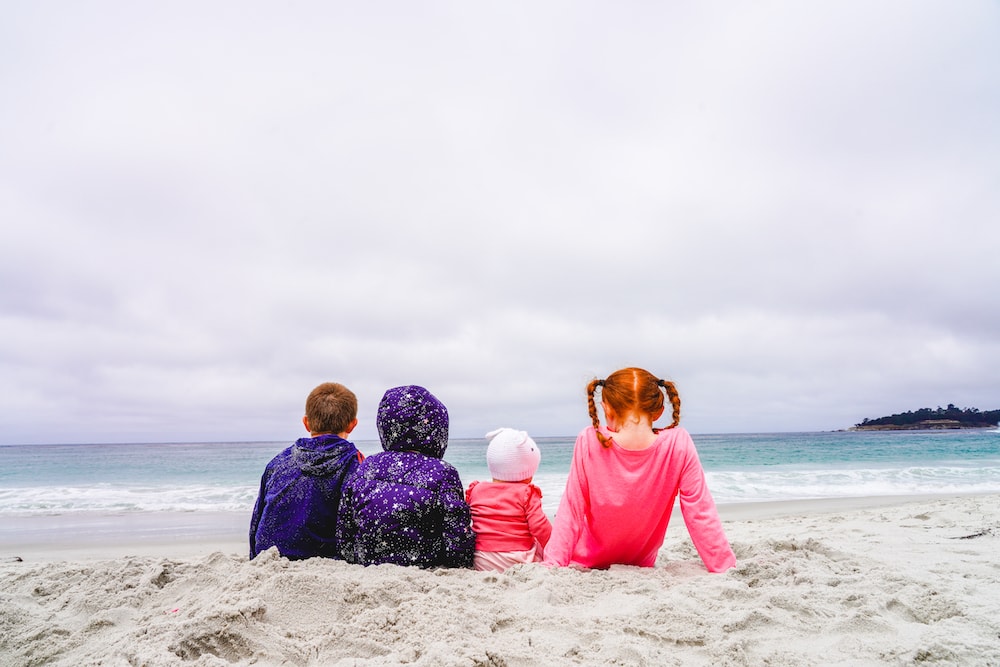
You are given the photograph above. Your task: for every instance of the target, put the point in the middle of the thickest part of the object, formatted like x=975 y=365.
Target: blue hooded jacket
x=299 y=498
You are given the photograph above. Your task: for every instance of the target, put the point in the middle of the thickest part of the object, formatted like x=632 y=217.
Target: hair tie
x=661 y=383
x=600 y=383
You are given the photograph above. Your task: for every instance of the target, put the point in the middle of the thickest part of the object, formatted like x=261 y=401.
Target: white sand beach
x=845 y=582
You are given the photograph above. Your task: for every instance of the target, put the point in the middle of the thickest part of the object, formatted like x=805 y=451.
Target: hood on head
x=324 y=455
x=410 y=418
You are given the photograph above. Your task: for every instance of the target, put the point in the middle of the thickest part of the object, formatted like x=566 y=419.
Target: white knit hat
x=512 y=455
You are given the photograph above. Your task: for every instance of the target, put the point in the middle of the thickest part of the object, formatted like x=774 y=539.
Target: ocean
x=224 y=477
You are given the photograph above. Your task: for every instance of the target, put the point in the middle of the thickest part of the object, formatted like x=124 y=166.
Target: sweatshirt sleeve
x=702 y=518
x=538 y=524
x=258 y=511
x=571 y=513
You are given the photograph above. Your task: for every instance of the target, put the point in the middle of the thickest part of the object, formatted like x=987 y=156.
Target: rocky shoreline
x=926 y=425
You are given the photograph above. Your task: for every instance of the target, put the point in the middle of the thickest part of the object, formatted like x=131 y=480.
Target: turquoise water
x=190 y=477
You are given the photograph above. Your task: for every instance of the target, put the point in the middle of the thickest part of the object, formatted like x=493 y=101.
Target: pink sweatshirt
x=617 y=504
x=507 y=516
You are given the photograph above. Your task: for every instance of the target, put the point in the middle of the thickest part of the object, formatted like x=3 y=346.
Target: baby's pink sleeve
x=538 y=524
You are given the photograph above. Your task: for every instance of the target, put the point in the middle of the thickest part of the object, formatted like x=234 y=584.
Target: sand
x=853 y=582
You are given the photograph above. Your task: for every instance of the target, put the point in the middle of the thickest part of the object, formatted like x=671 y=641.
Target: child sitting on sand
x=297 y=507
x=507 y=515
x=623 y=480
x=405 y=505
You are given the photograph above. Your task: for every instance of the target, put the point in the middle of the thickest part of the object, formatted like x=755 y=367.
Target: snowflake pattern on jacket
x=406 y=508
x=405 y=505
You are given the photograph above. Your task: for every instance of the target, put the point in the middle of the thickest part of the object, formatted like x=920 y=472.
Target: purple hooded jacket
x=299 y=498
x=405 y=505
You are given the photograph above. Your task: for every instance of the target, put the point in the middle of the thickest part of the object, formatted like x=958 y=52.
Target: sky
x=790 y=210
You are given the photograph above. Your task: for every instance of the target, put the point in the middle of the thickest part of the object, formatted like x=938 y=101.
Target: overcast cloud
x=790 y=209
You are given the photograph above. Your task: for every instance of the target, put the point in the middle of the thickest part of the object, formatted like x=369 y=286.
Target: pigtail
x=675 y=400
x=592 y=408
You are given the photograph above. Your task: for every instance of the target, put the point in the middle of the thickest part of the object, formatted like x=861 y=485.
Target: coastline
x=931 y=425
x=859 y=581
x=95 y=535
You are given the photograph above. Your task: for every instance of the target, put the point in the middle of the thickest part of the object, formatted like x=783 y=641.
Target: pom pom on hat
x=512 y=455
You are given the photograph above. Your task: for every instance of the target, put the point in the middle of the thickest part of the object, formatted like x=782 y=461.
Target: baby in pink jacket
x=507 y=514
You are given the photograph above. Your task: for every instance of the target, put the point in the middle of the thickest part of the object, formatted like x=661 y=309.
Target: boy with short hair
x=296 y=509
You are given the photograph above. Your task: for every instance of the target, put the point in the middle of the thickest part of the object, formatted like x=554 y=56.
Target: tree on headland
x=926 y=417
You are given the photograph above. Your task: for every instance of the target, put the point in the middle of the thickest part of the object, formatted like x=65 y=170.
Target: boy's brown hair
x=330 y=408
